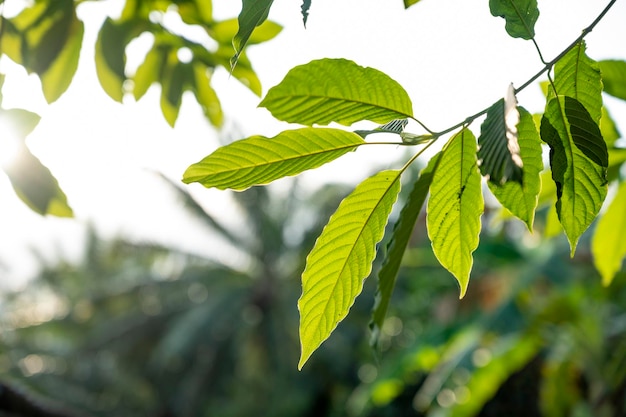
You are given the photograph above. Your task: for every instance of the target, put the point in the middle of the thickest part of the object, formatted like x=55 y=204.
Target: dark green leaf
x=578 y=157
x=253 y=13
x=614 y=77
x=455 y=206
x=402 y=232
x=337 y=90
x=520 y=16
x=259 y=160
x=306 y=5
x=342 y=258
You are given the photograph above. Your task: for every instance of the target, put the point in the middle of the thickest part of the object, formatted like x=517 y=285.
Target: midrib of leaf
x=521 y=18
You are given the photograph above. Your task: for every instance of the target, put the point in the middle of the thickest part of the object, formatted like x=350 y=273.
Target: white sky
x=451 y=56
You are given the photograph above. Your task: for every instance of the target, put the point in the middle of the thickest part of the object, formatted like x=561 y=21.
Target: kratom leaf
x=342 y=258
x=337 y=90
x=149 y=71
x=253 y=13
x=617 y=157
x=224 y=32
x=455 y=206
x=306 y=5
x=578 y=76
x=521 y=199
x=608 y=244
x=402 y=231
x=608 y=128
x=395 y=126
x=498 y=147
x=520 y=16
x=243 y=71
x=173 y=81
x=409 y=3
x=206 y=96
x=259 y=160
x=578 y=158
x=614 y=77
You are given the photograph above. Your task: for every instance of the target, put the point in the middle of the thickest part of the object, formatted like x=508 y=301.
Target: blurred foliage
x=144 y=330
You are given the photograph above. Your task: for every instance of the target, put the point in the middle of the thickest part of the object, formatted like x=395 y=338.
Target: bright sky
x=452 y=57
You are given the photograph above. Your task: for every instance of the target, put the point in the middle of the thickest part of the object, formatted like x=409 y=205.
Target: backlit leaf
x=498 y=148
x=259 y=160
x=253 y=13
x=402 y=232
x=409 y=3
x=520 y=16
x=206 y=96
x=521 y=199
x=578 y=76
x=337 y=90
x=608 y=244
x=455 y=206
x=224 y=31
x=342 y=258
x=149 y=71
x=614 y=77
x=608 y=128
x=578 y=158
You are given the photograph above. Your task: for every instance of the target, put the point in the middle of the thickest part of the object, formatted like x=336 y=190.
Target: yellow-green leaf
x=608 y=244
x=614 y=77
x=206 y=95
x=224 y=32
x=455 y=207
x=342 y=258
x=259 y=160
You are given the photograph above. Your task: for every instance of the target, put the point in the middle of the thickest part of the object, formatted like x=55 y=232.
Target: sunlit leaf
x=409 y=3
x=337 y=90
x=578 y=76
x=253 y=13
x=149 y=71
x=173 y=81
x=578 y=157
x=455 y=206
x=224 y=31
x=617 y=157
x=259 y=160
x=306 y=5
x=520 y=16
x=206 y=96
x=243 y=71
x=521 y=199
x=498 y=147
x=608 y=244
x=402 y=232
x=342 y=258
x=614 y=77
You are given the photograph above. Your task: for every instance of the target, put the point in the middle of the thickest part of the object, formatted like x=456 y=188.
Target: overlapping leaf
x=253 y=13
x=608 y=244
x=521 y=199
x=499 y=152
x=614 y=77
x=402 y=232
x=259 y=160
x=520 y=16
x=455 y=206
x=578 y=76
x=342 y=258
x=578 y=158
x=337 y=90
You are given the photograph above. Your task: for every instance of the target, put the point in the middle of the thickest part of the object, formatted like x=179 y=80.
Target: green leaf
x=253 y=13
x=578 y=157
x=402 y=232
x=243 y=71
x=306 y=5
x=520 y=16
x=578 y=76
x=111 y=54
x=608 y=244
x=342 y=258
x=455 y=206
x=521 y=199
x=337 y=90
x=608 y=128
x=224 y=32
x=498 y=148
x=259 y=160
x=174 y=78
x=614 y=77
x=409 y=3
x=149 y=71
x=206 y=95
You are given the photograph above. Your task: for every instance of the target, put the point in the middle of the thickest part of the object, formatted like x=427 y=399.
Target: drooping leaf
x=402 y=232
x=111 y=54
x=498 y=147
x=149 y=71
x=608 y=244
x=578 y=76
x=521 y=199
x=243 y=71
x=206 y=96
x=337 y=90
x=174 y=79
x=614 y=77
x=578 y=158
x=455 y=206
x=224 y=32
x=253 y=13
x=306 y=5
x=259 y=160
x=409 y=3
x=520 y=16
x=342 y=258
